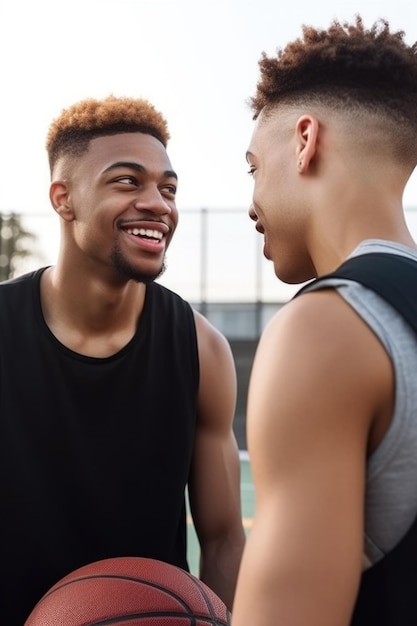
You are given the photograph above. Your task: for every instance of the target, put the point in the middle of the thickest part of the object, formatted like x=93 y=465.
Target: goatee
x=129 y=271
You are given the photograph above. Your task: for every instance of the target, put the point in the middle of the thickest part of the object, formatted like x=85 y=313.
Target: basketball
x=130 y=591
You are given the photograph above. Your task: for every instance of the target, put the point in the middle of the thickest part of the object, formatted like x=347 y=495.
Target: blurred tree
x=16 y=245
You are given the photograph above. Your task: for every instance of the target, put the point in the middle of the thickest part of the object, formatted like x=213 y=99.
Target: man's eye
x=127 y=180
x=171 y=189
x=251 y=170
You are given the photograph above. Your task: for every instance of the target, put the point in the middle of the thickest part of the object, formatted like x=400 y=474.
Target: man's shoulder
x=16 y=292
x=392 y=276
x=21 y=280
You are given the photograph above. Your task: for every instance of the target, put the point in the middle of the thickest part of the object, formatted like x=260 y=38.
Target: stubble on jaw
x=127 y=270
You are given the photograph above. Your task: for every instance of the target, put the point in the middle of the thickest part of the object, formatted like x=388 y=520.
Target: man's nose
x=252 y=213
x=153 y=200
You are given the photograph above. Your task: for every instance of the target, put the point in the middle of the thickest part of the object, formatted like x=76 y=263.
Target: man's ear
x=59 y=197
x=307 y=129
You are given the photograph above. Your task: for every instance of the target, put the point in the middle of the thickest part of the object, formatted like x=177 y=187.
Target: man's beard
x=129 y=271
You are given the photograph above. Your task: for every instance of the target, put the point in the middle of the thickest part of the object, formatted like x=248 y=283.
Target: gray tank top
x=391 y=494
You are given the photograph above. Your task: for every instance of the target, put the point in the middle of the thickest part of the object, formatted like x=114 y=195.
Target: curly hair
x=345 y=66
x=71 y=132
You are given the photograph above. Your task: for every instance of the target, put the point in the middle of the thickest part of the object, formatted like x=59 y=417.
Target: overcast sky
x=197 y=61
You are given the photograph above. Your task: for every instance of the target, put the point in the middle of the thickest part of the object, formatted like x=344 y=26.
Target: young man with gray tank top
x=332 y=407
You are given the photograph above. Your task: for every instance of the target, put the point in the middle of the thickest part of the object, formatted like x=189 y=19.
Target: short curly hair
x=71 y=132
x=345 y=66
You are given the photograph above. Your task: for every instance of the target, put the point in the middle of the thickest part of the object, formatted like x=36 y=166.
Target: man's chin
x=146 y=278
x=133 y=273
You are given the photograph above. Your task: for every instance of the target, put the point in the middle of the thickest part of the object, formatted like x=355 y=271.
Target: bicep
x=215 y=474
x=218 y=383
x=309 y=484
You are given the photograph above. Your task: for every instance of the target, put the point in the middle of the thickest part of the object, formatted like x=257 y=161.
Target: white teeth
x=145 y=232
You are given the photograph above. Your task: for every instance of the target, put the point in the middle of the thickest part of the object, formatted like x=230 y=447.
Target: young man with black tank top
x=116 y=396
x=332 y=407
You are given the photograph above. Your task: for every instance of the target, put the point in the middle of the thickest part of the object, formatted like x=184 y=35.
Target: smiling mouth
x=147 y=233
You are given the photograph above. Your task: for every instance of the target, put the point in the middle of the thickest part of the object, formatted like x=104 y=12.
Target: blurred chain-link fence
x=215 y=261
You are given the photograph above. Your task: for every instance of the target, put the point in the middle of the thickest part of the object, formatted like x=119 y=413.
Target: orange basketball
x=129 y=591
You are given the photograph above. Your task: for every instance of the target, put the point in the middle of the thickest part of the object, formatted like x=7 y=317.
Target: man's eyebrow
x=248 y=154
x=137 y=167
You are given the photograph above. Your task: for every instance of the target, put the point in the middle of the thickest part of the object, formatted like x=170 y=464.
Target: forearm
x=219 y=566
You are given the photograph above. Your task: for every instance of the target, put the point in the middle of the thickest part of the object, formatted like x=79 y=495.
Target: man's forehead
x=127 y=142
x=140 y=148
x=135 y=147
x=259 y=134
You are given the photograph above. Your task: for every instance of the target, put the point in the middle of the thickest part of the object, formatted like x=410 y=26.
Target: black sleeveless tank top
x=95 y=453
x=388 y=591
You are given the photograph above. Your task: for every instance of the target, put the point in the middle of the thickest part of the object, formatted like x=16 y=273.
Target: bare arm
x=214 y=486
x=319 y=381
